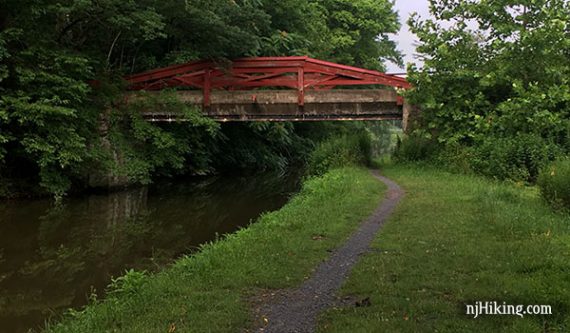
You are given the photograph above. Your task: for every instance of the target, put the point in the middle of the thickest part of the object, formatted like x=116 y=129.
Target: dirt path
x=296 y=310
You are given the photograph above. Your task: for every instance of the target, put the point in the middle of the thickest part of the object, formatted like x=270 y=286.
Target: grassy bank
x=209 y=291
x=454 y=240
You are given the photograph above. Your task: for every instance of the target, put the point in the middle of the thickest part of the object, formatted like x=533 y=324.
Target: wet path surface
x=52 y=258
x=297 y=310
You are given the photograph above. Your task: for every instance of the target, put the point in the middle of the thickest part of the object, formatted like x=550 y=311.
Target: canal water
x=53 y=258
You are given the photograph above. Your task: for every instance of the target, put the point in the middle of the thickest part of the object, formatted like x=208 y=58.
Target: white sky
x=405 y=38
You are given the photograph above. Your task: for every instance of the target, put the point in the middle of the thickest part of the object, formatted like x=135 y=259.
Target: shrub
x=414 y=148
x=130 y=283
x=554 y=183
x=345 y=150
x=456 y=158
x=517 y=158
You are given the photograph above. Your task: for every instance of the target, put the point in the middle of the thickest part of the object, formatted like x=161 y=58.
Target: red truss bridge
x=277 y=89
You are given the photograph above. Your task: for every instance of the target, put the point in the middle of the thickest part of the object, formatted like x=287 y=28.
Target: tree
x=51 y=49
x=359 y=32
x=509 y=75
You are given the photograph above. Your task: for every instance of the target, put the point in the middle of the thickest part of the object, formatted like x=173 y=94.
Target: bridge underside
x=282 y=105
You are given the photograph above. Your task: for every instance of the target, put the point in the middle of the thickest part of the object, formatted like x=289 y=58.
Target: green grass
x=454 y=240
x=209 y=291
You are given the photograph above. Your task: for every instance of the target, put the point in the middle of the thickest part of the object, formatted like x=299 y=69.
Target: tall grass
x=347 y=150
x=554 y=183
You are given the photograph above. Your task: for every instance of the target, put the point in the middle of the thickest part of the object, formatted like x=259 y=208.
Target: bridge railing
x=300 y=73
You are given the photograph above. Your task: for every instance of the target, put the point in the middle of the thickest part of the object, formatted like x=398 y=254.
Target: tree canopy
x=51 y=49
x=502 y=67
x=496 y=79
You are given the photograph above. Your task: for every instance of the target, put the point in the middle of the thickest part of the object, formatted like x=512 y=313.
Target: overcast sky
x=405 y=38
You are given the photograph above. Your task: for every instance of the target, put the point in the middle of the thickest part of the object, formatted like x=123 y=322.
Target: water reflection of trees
x=63 y=251
x=68 y=249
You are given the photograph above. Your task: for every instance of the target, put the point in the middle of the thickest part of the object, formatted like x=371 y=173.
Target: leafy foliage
x=260 y=146
x=129 y=283
x=518 y=159
x=341 y=151
x=50 y=116
x=413 y=148
x=554 y=183
x=37 y=112
x=148 y=149
x=359 y=31
x=496 y=71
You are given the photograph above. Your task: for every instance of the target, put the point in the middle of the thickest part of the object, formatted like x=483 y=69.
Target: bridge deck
x=282 y=105
x=224 y=92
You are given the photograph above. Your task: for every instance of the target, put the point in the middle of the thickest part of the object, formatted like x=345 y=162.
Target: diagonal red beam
x=262 y=77
x=380 y=79
x=356 y=69
x=317 y=82
x=277 y=82
x=263 y=72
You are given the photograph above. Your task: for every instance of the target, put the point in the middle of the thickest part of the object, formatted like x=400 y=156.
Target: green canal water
x=53 y=257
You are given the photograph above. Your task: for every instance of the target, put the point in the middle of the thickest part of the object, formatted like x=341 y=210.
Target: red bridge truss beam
x=298 y=73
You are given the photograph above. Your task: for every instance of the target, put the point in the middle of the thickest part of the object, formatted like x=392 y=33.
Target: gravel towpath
x=296 y=310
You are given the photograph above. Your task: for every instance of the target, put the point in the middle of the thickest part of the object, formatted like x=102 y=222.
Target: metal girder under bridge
x=276 y=89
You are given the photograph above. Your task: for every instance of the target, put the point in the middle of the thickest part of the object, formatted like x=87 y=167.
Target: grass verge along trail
x=297 y=310
x=209 y=291
x=455 y=240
